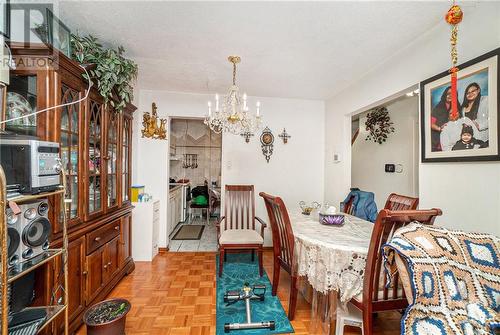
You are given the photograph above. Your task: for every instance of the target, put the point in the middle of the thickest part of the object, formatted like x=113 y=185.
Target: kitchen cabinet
x=95 y=281
x=145 y=227
x=125 y=245
x=102 y=265
x=76 y=281
x=174 y=208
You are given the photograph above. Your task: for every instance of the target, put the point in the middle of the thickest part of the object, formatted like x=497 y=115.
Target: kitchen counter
x=174 y=187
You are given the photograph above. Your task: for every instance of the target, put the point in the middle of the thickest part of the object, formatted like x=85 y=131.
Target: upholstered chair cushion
x=240 y=236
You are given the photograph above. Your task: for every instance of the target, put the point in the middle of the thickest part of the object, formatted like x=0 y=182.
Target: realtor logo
x=34 y=26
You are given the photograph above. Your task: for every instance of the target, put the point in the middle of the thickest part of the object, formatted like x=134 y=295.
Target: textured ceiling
x=289 y=49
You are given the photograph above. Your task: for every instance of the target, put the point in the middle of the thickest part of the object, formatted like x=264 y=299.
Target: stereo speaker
x=28 y=232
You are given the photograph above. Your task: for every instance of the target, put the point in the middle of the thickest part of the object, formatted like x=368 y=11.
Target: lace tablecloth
x=332 y=258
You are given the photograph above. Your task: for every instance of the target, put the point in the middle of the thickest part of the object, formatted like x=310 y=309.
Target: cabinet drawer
x=102 y=235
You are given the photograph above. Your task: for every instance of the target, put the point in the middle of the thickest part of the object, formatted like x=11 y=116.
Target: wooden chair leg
x=293 y=298
x=276 y=276
x=261 y=268
x=222 y=256
x=367 y=322
x=253 y=255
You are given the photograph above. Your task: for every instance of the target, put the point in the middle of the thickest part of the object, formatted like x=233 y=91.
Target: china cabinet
x=112 y=119
x=94 y=157
x=96 y=146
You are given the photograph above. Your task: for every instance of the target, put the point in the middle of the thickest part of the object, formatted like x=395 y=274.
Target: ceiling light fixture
x=232 y=114
x=413 y=93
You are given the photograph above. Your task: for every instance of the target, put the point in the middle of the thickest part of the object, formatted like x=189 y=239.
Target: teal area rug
x=239 y=269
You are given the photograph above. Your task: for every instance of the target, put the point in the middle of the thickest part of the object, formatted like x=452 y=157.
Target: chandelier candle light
x=232 y=114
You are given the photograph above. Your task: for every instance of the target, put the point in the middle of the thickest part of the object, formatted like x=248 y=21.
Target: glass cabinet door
x=21 y=101
x=95 y=171
x=126 y=139
x=70 y=147
x=112 y=158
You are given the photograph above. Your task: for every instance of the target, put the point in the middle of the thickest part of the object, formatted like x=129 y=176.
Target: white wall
x=468 y=193
x=369 y=158
x=295 y=171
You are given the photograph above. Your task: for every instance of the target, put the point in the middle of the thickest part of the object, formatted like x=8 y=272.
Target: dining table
x=332 y=260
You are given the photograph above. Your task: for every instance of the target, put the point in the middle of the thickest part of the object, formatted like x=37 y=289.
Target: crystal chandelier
x=232 y=114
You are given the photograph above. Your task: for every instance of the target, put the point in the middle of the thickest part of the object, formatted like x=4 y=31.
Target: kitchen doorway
x=194 y=185
x=393 y=165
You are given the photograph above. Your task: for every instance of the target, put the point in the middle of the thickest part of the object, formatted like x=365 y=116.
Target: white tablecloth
x=332 y=258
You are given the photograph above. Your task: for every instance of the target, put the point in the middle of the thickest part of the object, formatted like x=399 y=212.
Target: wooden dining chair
x=397 y=202
x=348 y=207
x=283 y=246
x=376 y=297
x=236 y=230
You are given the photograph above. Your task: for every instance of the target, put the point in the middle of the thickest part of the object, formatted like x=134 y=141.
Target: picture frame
x=3 y=104
x=5 y=18
x=475 y=134
x=59 y=35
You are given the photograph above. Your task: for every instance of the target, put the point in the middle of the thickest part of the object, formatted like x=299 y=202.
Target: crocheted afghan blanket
x=454 y=277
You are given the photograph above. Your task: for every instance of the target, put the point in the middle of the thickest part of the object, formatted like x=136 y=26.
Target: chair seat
x=240 y=236
x=359 y=297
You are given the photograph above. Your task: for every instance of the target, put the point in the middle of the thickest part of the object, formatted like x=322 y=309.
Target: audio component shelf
x=27 y=197
x=52 y=313
x=8 y=275
x=21 y=269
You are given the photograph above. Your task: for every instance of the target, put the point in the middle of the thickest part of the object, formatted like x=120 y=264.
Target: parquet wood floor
x=175 y=295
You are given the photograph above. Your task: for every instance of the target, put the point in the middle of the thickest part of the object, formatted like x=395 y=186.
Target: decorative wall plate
x=267 y=143
x=18 y=106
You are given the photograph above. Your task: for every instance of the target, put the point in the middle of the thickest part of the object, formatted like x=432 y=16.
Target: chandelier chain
x=234 y=73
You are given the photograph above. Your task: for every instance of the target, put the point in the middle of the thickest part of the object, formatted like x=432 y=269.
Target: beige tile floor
x=207 y=242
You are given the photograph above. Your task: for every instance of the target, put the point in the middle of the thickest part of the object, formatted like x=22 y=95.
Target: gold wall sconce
x=151 y=129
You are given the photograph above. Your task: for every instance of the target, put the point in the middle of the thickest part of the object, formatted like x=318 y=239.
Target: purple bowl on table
x=332 y=219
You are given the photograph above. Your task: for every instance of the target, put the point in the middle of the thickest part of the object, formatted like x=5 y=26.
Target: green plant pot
x=107 y=317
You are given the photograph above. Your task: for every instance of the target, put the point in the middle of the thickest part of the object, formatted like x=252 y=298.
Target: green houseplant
x=111 y=71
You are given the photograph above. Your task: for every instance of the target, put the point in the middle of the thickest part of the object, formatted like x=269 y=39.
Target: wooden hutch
x=96 y=146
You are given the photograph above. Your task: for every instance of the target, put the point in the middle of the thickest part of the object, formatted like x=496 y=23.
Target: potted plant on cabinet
x=107 y=317
x=112 y=73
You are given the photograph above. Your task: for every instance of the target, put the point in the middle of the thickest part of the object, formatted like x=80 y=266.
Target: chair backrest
x=239 y=207
x=213 y=200
x=348 y=206
x=386 y=224
x=396 y=202
x=283 y=240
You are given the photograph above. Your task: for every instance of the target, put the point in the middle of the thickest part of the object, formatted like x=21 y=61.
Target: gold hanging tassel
x=454 y=17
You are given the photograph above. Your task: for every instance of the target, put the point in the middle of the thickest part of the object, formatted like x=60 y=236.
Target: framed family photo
x=473 y=135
